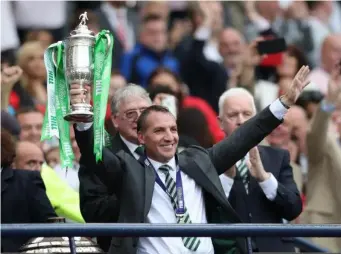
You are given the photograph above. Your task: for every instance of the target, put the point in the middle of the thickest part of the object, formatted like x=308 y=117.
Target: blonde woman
x=30 y=58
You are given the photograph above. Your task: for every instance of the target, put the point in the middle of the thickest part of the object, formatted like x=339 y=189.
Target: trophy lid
x=82 y=29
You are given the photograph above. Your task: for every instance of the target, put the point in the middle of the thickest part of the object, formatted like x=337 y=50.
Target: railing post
x=72 y=245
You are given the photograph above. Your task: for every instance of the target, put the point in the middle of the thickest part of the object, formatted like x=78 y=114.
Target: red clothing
x=14 y=100
x=210 y=115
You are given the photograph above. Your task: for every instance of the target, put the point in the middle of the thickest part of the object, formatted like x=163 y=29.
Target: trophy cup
x=79 y=67
x=83 y=59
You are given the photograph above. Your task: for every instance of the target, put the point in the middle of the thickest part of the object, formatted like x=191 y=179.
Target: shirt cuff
x=227 y=184
x=83 y=126
x=269 y=187
x=203 y=33
x=278 y=109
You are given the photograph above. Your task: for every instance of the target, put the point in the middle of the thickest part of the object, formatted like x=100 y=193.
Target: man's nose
x=240 y=119
x=168 y=136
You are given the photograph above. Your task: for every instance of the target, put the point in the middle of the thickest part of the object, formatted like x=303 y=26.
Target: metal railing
x=171 y=230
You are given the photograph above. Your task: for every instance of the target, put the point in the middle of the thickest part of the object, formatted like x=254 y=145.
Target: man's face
x=154 y=35
x=231 y=47
x=53 y=157
x=297 y=118
x=236 y=111
x=280 y=136
x=125 y=121
x=34 y=66
x=28 y=156
x=331 y=53
x=31 y=125
x=160 y=136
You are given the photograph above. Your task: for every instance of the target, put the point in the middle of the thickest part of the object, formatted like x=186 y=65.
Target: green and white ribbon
x=102 y=73
x=59 y=102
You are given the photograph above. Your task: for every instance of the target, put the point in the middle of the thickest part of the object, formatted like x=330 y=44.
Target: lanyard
x=180 y=206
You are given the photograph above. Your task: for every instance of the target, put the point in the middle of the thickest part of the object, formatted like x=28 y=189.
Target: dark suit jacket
x=204 y=166
x=98 y=203
x=256 y=208
x=23 y=200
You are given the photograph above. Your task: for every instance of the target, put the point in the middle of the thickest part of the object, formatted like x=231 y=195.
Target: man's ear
x=140 y=138
x=114 y=119
x=220 y=122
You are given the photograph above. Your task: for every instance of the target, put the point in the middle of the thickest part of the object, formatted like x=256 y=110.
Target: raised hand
x=9 y=77
x=334 y=86
x=296 y=87
x=255 y=166
x=251 y=56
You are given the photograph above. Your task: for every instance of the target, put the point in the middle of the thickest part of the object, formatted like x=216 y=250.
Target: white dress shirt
x=161 y=211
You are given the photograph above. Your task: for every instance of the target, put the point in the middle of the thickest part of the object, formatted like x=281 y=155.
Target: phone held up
x=273 y=48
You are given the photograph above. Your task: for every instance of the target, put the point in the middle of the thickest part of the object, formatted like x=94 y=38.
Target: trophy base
x=80 y=113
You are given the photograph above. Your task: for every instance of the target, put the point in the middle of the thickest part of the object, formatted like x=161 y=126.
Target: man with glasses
x=126 y=106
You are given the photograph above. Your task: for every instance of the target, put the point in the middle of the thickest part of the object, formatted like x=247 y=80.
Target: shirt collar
x=131 y=146
x=157 y=165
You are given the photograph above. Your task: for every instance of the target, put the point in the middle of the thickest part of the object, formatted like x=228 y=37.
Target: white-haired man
x=264 y=192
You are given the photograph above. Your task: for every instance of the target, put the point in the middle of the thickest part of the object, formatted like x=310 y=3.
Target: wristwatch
x=284 y=105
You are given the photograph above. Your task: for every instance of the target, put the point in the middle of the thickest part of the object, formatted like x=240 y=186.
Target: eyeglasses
x=133 y=114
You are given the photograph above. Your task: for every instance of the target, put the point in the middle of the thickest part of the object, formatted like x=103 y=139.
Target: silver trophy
x=79 y=67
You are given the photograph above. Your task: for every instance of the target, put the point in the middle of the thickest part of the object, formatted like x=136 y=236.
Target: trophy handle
x=54 y=59
x=109 y=43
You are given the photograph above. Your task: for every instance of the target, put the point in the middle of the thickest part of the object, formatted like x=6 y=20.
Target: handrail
x=171 y=230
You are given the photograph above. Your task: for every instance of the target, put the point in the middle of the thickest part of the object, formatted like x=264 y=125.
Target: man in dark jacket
x=23 y=196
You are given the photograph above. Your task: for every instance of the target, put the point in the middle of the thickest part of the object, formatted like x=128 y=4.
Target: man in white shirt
x=146 y=188
x=263 y=191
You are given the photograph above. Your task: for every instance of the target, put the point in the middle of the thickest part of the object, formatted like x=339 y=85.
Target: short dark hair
x=141 y=122
x=26 y=110
x=161 y=70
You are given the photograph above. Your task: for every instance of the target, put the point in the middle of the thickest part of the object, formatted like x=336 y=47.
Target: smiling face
x=160 y=136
